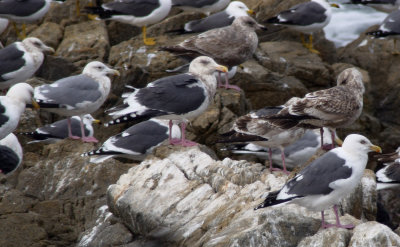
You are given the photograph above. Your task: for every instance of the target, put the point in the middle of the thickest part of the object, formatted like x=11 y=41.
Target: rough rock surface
x=57 y=198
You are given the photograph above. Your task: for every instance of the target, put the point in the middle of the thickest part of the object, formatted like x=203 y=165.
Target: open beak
x=251 y=12
x=35 y=104
x=222 y=68
x=113 y=72
x=375 y=149
x=334 y=5
x=96 y=121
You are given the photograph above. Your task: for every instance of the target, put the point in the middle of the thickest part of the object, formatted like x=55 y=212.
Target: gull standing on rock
x=335 y=107
x=306 y=18
x=139 y=13
x=180 y=97
x=56 y=131
x=252 y=126
x=230 y=46
x=390 y=28
x=25 y=11
x=217 y=20
x=10 y=154
x=20 y=60
x=77 y=95
x=203 y=6
x=327 y=179
x=136 y=142
x=12 y=105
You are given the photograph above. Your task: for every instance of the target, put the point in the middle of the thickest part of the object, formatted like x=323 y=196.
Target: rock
x=329 y=237
x=50 y=33
x=84 y=42
x=373 y=234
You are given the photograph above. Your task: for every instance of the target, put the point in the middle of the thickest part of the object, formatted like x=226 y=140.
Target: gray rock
x=373 y=234
x=327 y=237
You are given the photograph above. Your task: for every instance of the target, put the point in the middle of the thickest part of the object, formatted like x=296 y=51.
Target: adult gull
x=389 y=175
x=325 y=181
x=10 y=154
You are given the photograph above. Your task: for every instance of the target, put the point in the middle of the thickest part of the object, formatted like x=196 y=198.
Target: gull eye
x=363 y=142
x=204 y=62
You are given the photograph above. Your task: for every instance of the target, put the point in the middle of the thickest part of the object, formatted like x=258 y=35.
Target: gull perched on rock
x=390 y=28
x=77 y=95
x=139 y=13
x=306 y=18
x=180 y=97
x=217 y=20
x=203 y=6
x=328 y=179
x=56 y=131
x=10 y=154
x=230 y=46
x=12 y=105
x=25 y=11
x=136 y=142
x=335 y=107
x=20 y=60
x=255 y=128
x=389 y=175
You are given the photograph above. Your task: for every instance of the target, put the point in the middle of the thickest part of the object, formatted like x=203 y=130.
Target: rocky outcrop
x=190 y=197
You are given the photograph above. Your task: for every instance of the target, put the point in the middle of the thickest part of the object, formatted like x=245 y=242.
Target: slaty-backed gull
x=389 y=175
x=327 y=179
x=12 y=105
x=139 y=13
x=306 y=18
x=10 y=154
x=180 y=97
x=20 y=60
x=135 y=142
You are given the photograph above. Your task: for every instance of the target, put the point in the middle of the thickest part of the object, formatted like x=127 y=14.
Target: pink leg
x=69 y=130
x=170 y=130
x=333 y=134
x=84 y=137
x=183 y=142
x=283 y=162
x=338 y=225
x=227 y=85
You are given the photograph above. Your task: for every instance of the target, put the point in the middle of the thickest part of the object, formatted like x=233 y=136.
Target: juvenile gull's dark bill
x=180 y=97
x=328 y=179
x=77 y=95
x=139 y=13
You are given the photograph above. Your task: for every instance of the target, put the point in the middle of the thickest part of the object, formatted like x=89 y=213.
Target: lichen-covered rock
x=373 y=234
x=328 y=237
x=49 y=32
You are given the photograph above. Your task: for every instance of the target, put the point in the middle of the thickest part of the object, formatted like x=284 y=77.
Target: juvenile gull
x=77 y=95
x=180 y=97
x=217 y=20
x=20 y=60
x=306 y=18
x=56 y=131
x=3 y=27
x=389 y=175
x=10 y=154
x=25 y=11
x=327 y=179
x=12 y=105
x=204 y=6
x=252 y=126
x=390 y=28
x=139 y=13
x=296 y=154
x=135 y=142
x=335 y=107
x=230 y=46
